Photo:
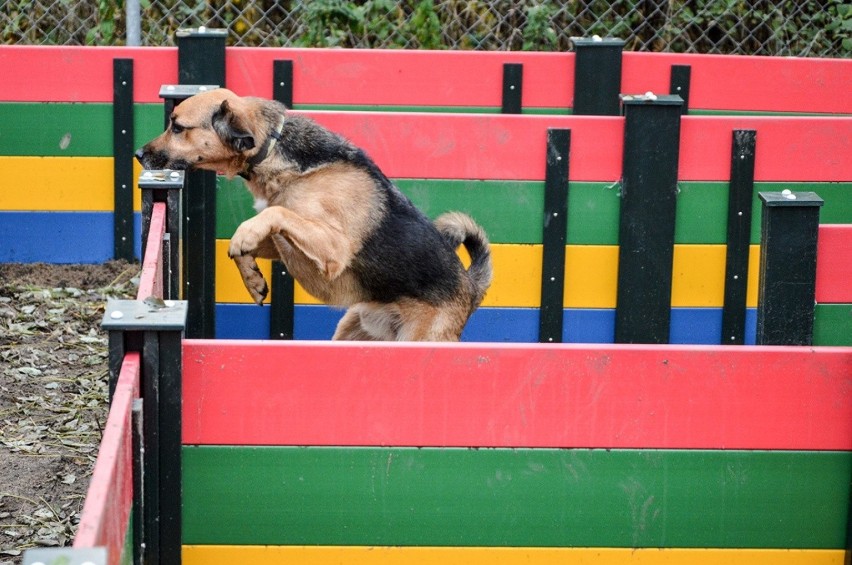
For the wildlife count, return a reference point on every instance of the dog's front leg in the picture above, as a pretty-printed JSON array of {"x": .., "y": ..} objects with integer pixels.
[
  {"x": 250, "y": 272},
  {"x": 326, "y": 246}
]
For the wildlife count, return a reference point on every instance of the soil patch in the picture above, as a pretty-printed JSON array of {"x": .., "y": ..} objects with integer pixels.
[{"x": 53, "y": 395}]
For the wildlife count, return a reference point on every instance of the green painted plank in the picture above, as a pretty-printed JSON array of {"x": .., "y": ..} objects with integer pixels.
[
  {"x": 515, "y": 497},
  {"x": 69, "y": 130},
  {"x": 833, "y": 324},
  {"x": 56, "y": 129},
  {"x": 510, "y": 211}
]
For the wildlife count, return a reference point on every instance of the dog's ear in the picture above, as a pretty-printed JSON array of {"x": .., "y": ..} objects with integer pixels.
[{"x": 229, "y": 127}]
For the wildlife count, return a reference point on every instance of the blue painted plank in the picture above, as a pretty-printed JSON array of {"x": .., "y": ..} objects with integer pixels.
[{"x": 59, "y": 237}]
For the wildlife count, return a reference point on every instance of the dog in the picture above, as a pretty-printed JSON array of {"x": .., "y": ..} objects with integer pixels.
[{"x": 326, "y": 210}]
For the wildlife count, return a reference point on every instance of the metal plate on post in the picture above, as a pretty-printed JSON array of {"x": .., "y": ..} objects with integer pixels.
[
  {"x": 144, "y": 315},
  {"x": 66, "y": 556}
]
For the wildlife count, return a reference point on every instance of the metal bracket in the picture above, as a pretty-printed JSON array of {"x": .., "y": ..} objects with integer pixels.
[{"x": 66, "y": 556}]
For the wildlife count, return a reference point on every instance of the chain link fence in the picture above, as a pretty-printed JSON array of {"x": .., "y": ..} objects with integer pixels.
[{"x": 817, "y": 28}]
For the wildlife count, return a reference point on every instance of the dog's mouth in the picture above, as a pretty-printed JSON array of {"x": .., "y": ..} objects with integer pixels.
[{"x": 160, "y": 160}]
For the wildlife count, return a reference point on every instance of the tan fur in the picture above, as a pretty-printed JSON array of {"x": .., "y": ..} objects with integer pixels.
[{"x": 315, "y": 221}]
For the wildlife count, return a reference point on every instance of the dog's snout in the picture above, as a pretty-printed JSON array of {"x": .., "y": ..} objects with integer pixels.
[{"x": 140, "y": 153}]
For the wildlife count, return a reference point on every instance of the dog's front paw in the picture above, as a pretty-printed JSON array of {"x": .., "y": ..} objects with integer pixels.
[
  {"x": 248, "y": 238},
  {"x": 252, "y": 279}
]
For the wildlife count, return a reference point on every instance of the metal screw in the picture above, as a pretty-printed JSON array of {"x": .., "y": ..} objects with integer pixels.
[
  {"x": 558, "y": 157},
  {"x": 552, "y": 279},
  {"x": 511, "y": 87},
  {"x": 555, "y": 214},
  {"x": 739, "y": 213},
  {"x": 170, "y": 87},
  {"x": 117, "y": 315},
  {"x": 124, "y": 131},
  {"x": 736, "y": 277},
  {"x": 550, "y": 339},
  {"x": 174, "y": 174},
  {"x": 202, "y": 88},
  {"x": 124, "y": 83},
  {"x": 733, "y": 338}
]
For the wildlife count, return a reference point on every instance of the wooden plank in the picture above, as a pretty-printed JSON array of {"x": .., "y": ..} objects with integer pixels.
[
  {"x": 403, "y": 77},
  {"x": 362, "y": 555},
  {"x": 784, "y": 152},
  {"x": 833, "y": 324},
  {"x": 746, "y": 83},
  {"x": 517, "y": 396},
  {"x": 520, "y": 325},
  {"x": 433, "y": 78},
  {"x": 515, "y": 497},
  {"x": 106, "y": 512},
  {"x": 151, "y": 278},
  {"x": 834, "y": 264},
  {"x": 70, "y": 73},
  {"x": 23, "y": 234},
  {"x": 590, "y": 276}
]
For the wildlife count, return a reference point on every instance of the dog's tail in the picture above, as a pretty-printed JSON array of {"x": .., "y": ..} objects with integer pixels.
[{"x": 456, "y": 229}]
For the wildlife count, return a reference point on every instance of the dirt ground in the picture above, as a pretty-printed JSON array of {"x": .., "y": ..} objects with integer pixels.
[{"x": 53, "y": 389}]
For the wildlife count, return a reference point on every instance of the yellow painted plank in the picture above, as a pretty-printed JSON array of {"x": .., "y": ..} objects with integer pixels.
[
  {"x": 591, "y": 276},
  {"x": 61, "y": 184},
  {"x": 591, "y": 273},
  {"x": 329, "y": 555}
]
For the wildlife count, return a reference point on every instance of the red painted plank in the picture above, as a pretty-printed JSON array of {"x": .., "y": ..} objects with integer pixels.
[
  {"x": 411, "y": 145},
  {"x": 788, "y": 149},
  {"x": 747, "y": 83},
  {"x": 472, "y": 146},
  {"x": 151, "y": 279},
  {"x": 834, "y": 264},
  {"x": 403, "y": 78},
  {"x": 432, "y": 78},
  {"x": 517, "y": 395},
  {"x": 81, "y": 74},
  {"x": 106, "y": 511}
]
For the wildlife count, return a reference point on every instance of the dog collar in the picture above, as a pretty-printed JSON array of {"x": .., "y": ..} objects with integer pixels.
[{"x": 256, "y": 159}]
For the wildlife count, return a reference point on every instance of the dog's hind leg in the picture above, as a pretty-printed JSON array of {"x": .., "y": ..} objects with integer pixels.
[{"x": 350, "y": 329}]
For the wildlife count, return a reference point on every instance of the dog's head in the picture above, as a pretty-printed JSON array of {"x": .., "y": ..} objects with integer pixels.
[{"x": 214, "y": 130}]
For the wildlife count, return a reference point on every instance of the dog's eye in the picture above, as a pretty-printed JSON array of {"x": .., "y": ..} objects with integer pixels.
[{"x": 177, "y": 128}]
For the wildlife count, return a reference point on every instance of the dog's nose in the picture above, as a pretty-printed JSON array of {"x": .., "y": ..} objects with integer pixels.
[{"x": 139, "y": 154}]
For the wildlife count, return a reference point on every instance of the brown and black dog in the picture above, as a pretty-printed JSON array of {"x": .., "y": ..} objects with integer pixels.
[{"x": 346, "y": 233}]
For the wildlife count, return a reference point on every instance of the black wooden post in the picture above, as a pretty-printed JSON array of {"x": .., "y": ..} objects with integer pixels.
[
  {"x": 740, "y": 197},
  {"x": 786, "y": 290},
  {"x": 554, "y": 235},
  {"x": 513, "y": 84},
  {"x": 679, "y": 85},
  {"x": 597, "y": 76},
  {"x": 122, "y": 152},
  {"x": 156, "y": 332},
  {"x": 282, "y": 284},
  {"x": 197, "y": 231},
  {"x": 164, "y": 186},
  {"x": 647, "y": 225},
  {"x": 201, "y": 60}
]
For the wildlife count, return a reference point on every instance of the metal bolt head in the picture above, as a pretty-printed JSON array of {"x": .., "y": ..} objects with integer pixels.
[{"x": 117, "y": 315}]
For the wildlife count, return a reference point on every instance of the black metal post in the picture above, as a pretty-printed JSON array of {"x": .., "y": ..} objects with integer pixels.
[
  {"x": 554, "y": 235},
  {"x": 679, "y": 85},
  {"x": 201, "y": 60},
  {"x": 157, "y": 333},
  {"x": 283, "y": 308},
  {"x": 647, "y": 225},
  {"x": 122, "y": 151},
  {"x": 597, "y": 76},
  {"x": 164, "y": 186},
  {"x": 740, "y": 197},
  {"x": 787, "y": 285},
  {"x": 513, "y": 84}
]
